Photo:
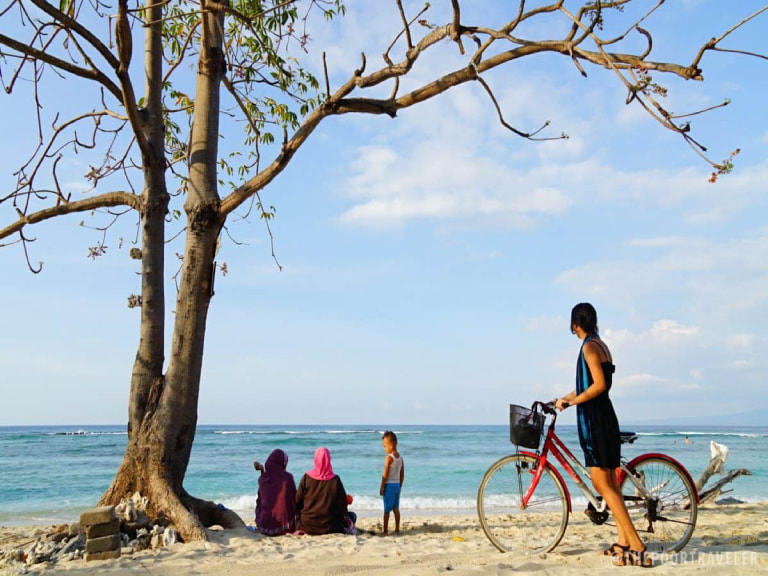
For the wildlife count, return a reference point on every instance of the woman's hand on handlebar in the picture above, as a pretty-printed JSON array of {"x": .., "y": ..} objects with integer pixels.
[{"x": 561, "y": 404}]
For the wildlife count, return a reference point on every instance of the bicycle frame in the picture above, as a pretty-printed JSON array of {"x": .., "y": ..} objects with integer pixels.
[{"x": 555, "y": 446}]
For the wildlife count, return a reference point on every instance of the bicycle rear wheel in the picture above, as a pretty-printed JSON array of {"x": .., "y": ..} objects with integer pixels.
[
  {"x": 665, "y": 522},
  {"x": 539, "y": 526}
]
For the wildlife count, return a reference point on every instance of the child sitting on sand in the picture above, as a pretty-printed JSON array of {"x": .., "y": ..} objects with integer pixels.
[{"x": 391, "y": 480}]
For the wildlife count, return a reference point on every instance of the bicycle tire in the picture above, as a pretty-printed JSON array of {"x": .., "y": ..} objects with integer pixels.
[
  {"x": 667, "y": 522},
  {"x": 538, "y": 527}
]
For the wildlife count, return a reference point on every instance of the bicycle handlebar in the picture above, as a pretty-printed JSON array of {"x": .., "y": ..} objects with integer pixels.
[
  {"x": 549, "y": 407},
  {"x": 546, "y": 407}
]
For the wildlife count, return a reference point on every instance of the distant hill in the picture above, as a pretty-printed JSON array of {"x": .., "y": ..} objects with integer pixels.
[{"x": 750, "y": 418}]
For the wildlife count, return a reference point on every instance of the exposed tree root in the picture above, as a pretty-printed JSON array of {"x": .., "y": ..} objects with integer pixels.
[{"x": 190, "y": 515}]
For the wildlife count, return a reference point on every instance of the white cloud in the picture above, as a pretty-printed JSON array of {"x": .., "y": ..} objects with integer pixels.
[
  {"x": 721, "y": 277},
  {"x": 451, "y": 176},
  {"x": 450, "y": 159},
  {"x": 668, "y": 329},
  {"x": 442, "y": 182},
  {"x": 663, "y": 242},
  {"x": 741, "y": 340},
  {"x": 696, "y": 303},
  {"x": 650, "y": 385}
]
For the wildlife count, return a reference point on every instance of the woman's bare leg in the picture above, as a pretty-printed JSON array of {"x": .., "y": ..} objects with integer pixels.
[{"x": 607, "y": 485}]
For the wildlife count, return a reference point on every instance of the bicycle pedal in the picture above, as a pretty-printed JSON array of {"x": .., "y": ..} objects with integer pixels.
[{"x": 596, "y": 516}]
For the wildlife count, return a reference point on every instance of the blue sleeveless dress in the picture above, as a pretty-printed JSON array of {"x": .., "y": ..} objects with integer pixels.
[{"x": 598, "y": 426}]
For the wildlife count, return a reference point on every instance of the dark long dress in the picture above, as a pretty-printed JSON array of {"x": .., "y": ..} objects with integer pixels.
[
  {"x": 275, "y": 506},
  {"x": 598, "y": 426},
  {"x": 322, "y": 505}
]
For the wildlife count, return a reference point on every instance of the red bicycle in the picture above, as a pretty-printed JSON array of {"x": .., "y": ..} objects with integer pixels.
[{"x": 523, "y": 502}]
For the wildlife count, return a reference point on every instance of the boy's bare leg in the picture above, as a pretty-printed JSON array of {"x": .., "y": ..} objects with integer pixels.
[
  {"x": 397, "y": 520},
  {"x": 386, "y": 524}
]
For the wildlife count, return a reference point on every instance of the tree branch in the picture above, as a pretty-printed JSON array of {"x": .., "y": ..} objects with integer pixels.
[
  {"x": 72, "y": 24},
  {"x": 100, "y": 201},
  {"x": 340, "y": 103},
  {"x": 94, "y": 74}
]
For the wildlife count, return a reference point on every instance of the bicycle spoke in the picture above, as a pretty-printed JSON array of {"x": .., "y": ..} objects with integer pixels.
[
  {"x": 539, "y": 525},
  {"x": 666, "y": 518}
]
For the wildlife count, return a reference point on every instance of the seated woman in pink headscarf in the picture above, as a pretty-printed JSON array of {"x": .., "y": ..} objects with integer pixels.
[
  {"x": 321, "y": 500},
  {"x": 275, "y": 506}
]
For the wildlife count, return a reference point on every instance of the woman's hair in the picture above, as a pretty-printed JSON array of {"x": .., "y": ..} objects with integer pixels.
[{"x": 584, "y": 316}]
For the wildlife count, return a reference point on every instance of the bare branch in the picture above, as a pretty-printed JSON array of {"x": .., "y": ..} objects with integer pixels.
[
  {"x": 124, "y": 41},
  {"x": 405, "y": 29},
  {"x": 715, "y": 107},
  {"x": 182, "y": 52},
  {"x": 527, "y": 135},
  {"x": 634, "y": 26},
  {"x": 744, "y": 52},
  {"x": 327, "y": 82},
  {"x": 265, "y": 217},
  {"x": 24, "y": 241},
  {"x": 406, "y": 25},
  {"x": 713, "y": 42},
  {"x": 456, "y": 26},
  {"x": 100, "y": 201},
  {"x": 740, "y": 24},
  {"x": 93, "y": 74},
  {"x": 73, "y": 25}
]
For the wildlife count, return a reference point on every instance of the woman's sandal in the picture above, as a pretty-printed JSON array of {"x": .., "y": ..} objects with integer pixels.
[
  {"x": 615, "y": 550},
  {"x": 634, "y": 558}
]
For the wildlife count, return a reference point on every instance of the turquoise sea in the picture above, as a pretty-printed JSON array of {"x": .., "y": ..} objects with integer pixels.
[{"x": 48, "y": 474}]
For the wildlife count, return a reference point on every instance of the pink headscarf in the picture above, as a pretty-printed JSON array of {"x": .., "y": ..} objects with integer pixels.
[{"x": 323, "y": 469}]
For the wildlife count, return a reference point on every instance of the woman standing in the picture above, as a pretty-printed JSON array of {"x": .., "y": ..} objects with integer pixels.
[{"x": 599, "y": 434}]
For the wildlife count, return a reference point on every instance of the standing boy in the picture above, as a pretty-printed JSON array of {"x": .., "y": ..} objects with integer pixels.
[{"x": 391, "y": 480}]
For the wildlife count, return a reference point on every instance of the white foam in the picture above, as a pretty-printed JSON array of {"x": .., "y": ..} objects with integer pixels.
[
  {"x": 85, "y": 433},
  {"x": 236, "y": 432},
  {"x": 291, "y": 432},
  {"x": 737, "y": 434}
]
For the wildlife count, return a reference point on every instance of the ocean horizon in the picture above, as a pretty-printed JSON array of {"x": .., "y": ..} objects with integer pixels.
[{"x": 49, "y": 473}]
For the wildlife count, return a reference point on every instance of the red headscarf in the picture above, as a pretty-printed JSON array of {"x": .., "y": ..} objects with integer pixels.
[{"x": 323, "y": 469}]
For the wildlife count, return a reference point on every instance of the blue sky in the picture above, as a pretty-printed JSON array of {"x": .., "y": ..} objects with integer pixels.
[{"x": 431, "y": 261}]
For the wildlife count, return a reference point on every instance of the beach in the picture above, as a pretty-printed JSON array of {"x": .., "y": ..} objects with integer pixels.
[{"x": 731, "y": 539}]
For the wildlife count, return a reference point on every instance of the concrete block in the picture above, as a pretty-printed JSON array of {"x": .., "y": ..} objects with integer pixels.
[
  {"x": 110, "y": 555},
  {"x": 101, "y": 530},
  {"x": 103, "y": 544},
  {"x": 100, "y": 515}
]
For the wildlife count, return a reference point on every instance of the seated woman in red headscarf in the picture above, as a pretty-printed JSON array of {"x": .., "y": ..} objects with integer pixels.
[
  {"x": 275, "y": 506},
  {"x": 321, "y": 500}
]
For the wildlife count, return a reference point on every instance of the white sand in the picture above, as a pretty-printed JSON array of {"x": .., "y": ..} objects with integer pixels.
[{"x": 727, "y": 540}]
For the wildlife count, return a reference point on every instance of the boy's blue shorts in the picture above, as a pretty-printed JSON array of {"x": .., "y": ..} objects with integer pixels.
[{"x": 391, "y": 496}]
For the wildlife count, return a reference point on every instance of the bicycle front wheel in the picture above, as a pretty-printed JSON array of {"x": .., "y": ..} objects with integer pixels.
[
  {"x": 510, "y": 526},
  {"x": 664, "y": 521}
]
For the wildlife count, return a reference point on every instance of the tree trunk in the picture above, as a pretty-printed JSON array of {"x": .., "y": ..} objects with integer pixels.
[
  {"x": 163, "y": 407},
  {"x": 164, "y": 416}
]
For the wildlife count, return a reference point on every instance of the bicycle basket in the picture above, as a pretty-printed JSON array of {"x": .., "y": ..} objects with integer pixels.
[{"x": 525, "y": 426}]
